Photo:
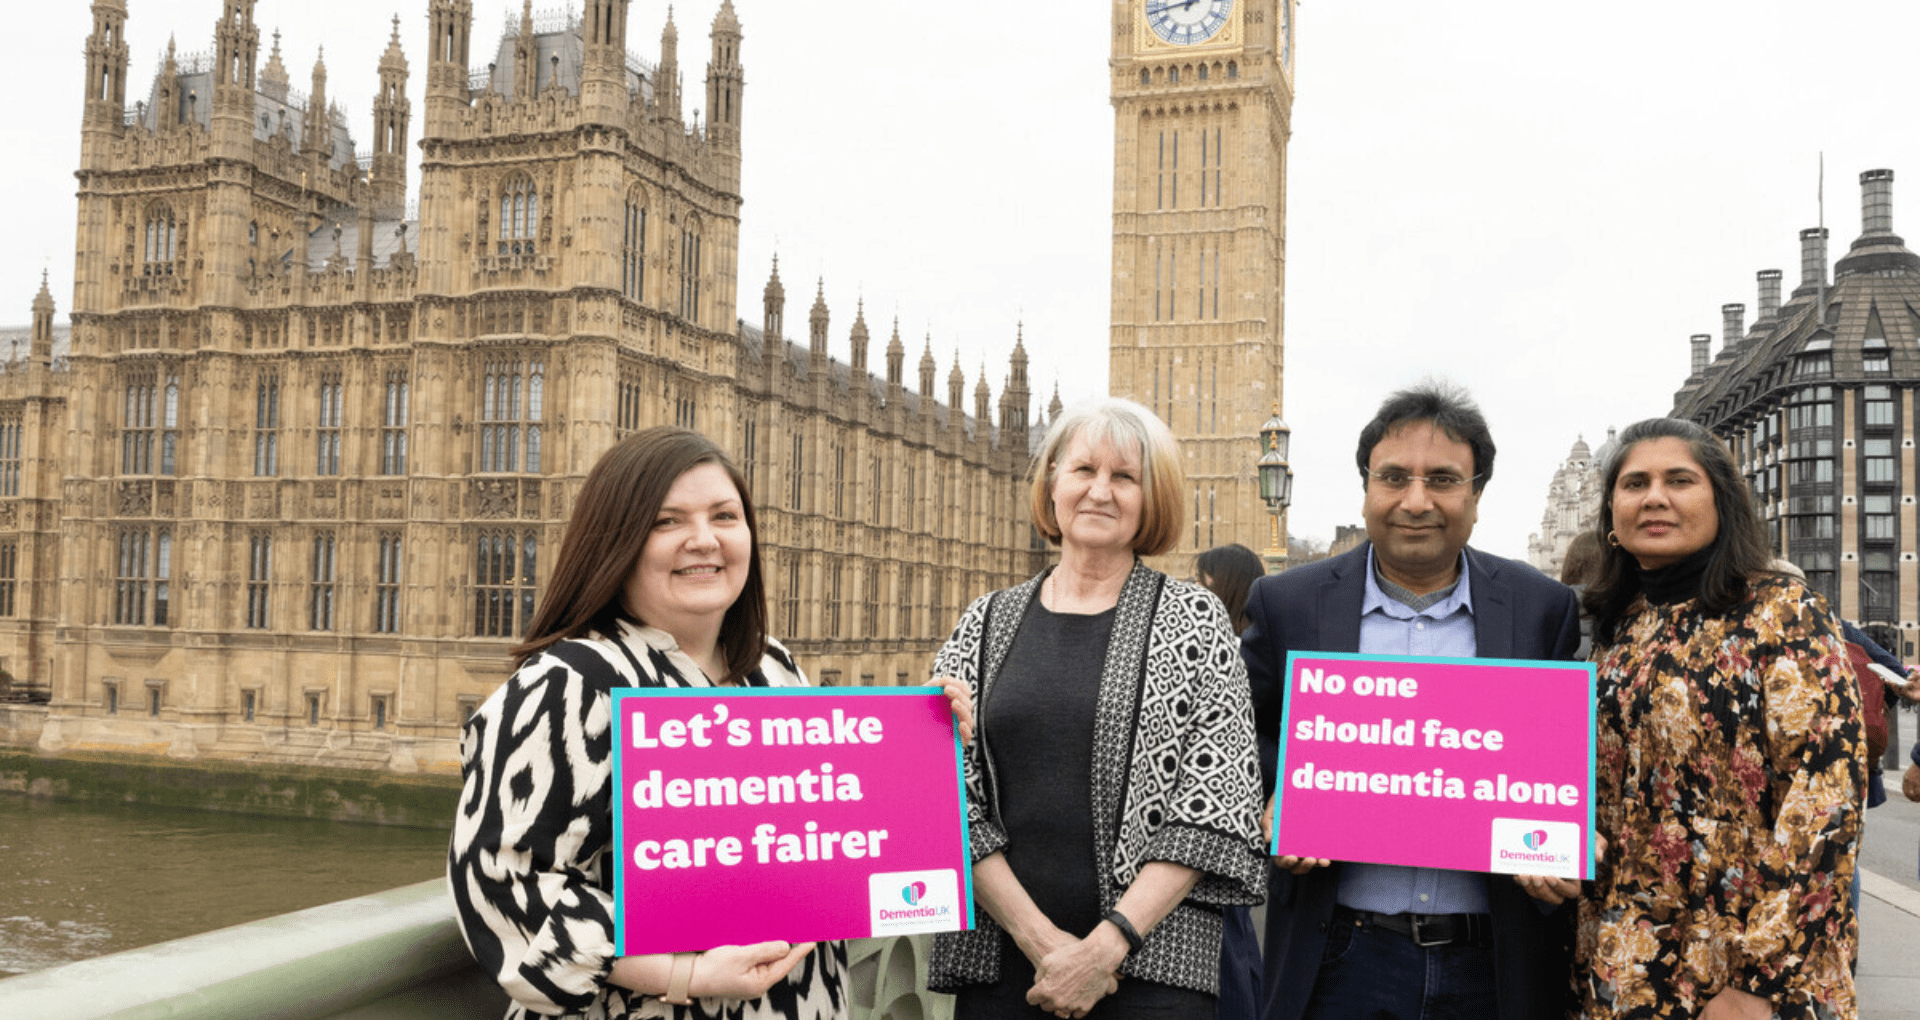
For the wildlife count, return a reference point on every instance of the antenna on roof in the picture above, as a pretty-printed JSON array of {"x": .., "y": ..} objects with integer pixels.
[{"x": 1820, "y": 198}]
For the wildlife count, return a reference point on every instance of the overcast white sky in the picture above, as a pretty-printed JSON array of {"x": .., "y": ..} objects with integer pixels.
[{"x": 1539, "y": 201}]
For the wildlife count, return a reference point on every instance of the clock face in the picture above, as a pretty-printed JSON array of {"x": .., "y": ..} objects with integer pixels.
[{"x": 1185, "y": 22}]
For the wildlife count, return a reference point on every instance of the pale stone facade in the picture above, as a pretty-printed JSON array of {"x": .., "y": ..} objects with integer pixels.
[
  {"x": 1203, "y": 104},
  {"x": 1573, "y": 504},
  {"x": 299, "y": 482}
]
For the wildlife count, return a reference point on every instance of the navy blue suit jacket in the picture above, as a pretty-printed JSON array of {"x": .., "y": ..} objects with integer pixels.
[{"x": 1518, "y": 613}]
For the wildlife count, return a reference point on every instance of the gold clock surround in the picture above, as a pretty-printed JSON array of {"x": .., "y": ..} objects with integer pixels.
[{"x": 1146, "y": 40}]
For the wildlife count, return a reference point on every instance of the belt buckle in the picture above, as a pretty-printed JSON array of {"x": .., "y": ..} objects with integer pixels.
[{"x": 1419, "y": 924}]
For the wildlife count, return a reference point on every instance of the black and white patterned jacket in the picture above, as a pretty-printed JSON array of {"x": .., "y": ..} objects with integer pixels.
[
  {"x": 1175, "y": 777},
  {"x": 531, "y": 867}
]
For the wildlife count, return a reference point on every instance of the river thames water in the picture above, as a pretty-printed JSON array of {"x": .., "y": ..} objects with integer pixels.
[{"x": 82, "y": 880}]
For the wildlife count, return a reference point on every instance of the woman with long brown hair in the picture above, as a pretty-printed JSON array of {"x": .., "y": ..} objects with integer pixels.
[{"x": 658, "y": 584}]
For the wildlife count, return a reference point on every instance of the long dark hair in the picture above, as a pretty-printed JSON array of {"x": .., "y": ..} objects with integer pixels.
[
  {"x": 1737, "y": 554},
  {"x": 611, "y": 520},
  {"x": 1229, "y": 571}
]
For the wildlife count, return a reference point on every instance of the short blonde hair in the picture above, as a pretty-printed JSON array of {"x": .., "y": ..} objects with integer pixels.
[{"x": 1120, "y": 423}]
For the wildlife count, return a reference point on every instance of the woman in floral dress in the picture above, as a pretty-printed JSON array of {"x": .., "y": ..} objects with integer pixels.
[{"x": 1731, "y": 769}]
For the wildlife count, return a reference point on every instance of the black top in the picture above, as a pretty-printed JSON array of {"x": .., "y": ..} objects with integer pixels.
[
  {"x": 1039, "y": 724},
  {"x": 1677, "y": 581}
]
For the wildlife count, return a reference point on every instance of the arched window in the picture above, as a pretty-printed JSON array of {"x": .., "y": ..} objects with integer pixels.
[
  {"x": 690, "y": 262},
  {"x": 266, "y": 427},
  {"x": 170, "y": 428},
  {"x": 143, "y": 576},
  {"x": 511, "y": 397},
  {"x": 633, "y": 247},
  {"x": 162, "y": 240},
  {"x": 503, "y": 582},
  {"x": 1146, "y": 76},
  {"x": 519, "y": 216}
]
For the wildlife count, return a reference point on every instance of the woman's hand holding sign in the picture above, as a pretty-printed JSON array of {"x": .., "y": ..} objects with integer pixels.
[
  {"x": 724, "y": 972},
  {"x": 960, "y": 700}
]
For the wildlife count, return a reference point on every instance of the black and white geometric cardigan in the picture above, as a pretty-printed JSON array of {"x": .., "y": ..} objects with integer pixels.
[
  {"x": 530, "y": 866},
  {"x": 1175, "y": 774}
]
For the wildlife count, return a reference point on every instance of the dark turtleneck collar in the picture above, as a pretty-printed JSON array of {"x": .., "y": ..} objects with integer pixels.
[{"x": 1677, "y": 581}]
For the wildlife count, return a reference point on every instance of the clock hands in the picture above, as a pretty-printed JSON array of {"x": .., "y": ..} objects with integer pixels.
[{"x": 1167, "y": 5}]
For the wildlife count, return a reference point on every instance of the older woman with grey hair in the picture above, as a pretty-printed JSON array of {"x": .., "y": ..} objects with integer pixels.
[{"x": 1113, "y": 791}]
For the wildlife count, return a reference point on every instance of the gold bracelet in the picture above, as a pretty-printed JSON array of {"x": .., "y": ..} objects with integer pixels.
[{"x": 678, "y": 981}]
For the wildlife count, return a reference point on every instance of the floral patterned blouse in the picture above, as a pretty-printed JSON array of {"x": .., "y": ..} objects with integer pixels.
[{"x": 1730, "y": 785}]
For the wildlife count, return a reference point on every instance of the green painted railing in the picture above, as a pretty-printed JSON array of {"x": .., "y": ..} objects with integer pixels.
[{"x": 395, "y": 955}]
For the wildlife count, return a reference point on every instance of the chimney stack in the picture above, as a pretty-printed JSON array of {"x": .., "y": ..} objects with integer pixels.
[
  {"x": 1813, "y": 258},
  {"x": 1876, "y": 202},
  {"x": 1769, "y": 295},
  {"x": 1733, "y": 325},
  {"x": 1701, "y": 343}
]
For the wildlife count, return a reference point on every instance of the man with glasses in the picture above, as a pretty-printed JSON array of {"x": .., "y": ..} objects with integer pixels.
[{"x": 1350, "y": 940}]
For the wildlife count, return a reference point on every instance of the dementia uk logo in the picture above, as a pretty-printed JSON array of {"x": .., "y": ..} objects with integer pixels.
[
  {"x": 1528, "y": 847},
  {"x": 931, "y": 898}
]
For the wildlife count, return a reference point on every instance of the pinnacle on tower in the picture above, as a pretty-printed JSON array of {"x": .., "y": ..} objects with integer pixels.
[
  {"x": 857, "y": 342},
  {"x": 526, "y": 69},
  {"x": 392, "y": 111},
  {"x": 725, "y": 81},
  {"x": 896, "y": 356},
  {"x": 775, "y": 304},
  {"x": 927, "y": 368},
  {"x": 1013, "y": 399},
  {"x": 107, "y": 67},
  {"x": 316, "y": 137},
  {"x": 666, "y": 86},
  {"x": 274, "y": 82},
  {"x": 817, "y": 322},
  {"x": 449, "y": 32},
  {"x": 41, "y": 346},
  {"x": 605, "y": 30}
]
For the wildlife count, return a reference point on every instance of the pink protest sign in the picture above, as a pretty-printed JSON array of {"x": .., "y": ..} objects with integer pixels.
[
  {"x": 1469, "y": 764},
  {"x": 795, "y": 814}
]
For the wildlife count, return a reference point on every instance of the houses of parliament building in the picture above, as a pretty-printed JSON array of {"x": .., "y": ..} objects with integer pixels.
[{"x": 288, "y": 486}]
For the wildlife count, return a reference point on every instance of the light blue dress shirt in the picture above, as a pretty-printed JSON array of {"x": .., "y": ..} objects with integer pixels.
[{"x": 1388, "y": 627}]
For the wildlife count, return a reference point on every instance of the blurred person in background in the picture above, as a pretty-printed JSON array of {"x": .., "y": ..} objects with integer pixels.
[{"x": 1229, "y": 571}]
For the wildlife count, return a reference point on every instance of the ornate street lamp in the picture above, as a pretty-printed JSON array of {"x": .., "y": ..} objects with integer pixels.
[{"x": 1276, "y": 484}]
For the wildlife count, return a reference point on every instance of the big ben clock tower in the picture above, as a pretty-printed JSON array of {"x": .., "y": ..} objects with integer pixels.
[{"x": 1203, "y": 103}]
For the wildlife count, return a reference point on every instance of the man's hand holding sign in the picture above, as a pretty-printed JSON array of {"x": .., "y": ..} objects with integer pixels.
[{"x": 1490, "y": 761}]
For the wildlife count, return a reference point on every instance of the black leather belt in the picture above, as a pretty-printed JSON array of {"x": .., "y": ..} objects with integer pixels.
[{"x": 1424, "y": 929}]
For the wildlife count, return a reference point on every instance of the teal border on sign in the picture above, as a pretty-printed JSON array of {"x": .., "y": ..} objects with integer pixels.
[
  {"x": 621, "y": 694},
  {"x": 1593, "y": 717}
]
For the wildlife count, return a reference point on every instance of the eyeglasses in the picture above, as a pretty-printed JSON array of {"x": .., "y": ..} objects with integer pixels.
[{"x": 1438, "y": 485}]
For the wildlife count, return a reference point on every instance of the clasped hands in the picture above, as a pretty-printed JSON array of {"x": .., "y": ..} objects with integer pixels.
[{"x": 1070, "y": 975}]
